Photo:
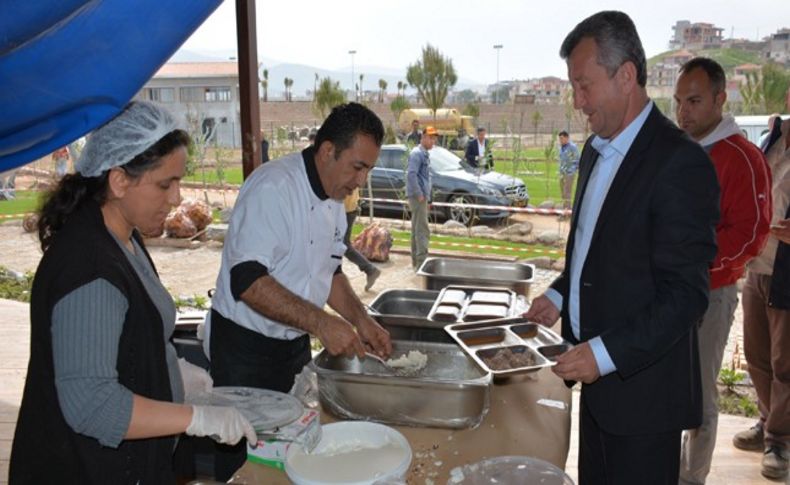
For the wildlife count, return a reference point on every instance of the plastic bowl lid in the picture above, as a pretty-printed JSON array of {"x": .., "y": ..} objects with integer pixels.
[
  {"x": 266, "y": 410},
  {"x": 351, "y": 453},
  {"x": 523, "y": 470}
]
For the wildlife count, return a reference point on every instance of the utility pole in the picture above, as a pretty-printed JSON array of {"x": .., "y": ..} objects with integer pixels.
[
  {"x": 497, "y": 47},
  {"x": 352, "y": 52}
]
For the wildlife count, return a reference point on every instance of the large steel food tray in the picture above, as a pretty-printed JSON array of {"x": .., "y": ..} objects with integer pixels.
[
  {"x": 458, "y": 303},
  {"x": 450, "y": 392},
  {"x": 440, "y": 272},
  {"x": 418, "y": 329},
  {"x": 404, "y": 302},
  {"x": 508, "y": 346}
]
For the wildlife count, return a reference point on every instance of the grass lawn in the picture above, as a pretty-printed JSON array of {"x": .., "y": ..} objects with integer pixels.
[
  {"x": 233, "y": 176},
  {"x": 25, "y": 201},
  {"x": 541, "y": 178},
  {"x": 476, "y": 245}
]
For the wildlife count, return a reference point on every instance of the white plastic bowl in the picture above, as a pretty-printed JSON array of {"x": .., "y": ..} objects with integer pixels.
[{"x": 351, "y": 453}]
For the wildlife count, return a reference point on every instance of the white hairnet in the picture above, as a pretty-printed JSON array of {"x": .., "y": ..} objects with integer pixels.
[{"x": 139, "y": 126}]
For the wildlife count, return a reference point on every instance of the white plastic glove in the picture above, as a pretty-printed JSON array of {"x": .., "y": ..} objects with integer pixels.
[
  {"x": 221, "y": 423},
  {"x": 196, "y": 380}
]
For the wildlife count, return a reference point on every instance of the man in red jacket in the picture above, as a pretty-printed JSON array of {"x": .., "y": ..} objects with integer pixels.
[{"x": 745, "y": 207}]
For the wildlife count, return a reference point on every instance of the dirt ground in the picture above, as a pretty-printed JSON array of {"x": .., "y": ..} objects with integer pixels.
[{"x": 187, "y": 272}]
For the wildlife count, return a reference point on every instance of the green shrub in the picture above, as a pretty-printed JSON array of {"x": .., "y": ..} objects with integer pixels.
[
  {"x": 730, "y": 377},
  {"x": 15, "y": 286}
]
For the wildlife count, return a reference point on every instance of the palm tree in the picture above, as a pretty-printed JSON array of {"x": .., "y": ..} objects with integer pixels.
[
  {"x": 315, "y": 85},
  {"x": 288, "y": 84},
  {"x": 285, "y": 93},
  {"x": 361, "y": 77},
  {"x": 382, "y": 89},
  {"x": 327, "y": 96},
  {"x": 265, "y": 85}
]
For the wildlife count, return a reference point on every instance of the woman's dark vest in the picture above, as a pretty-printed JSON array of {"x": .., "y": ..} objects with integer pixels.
[{"x": 45, "y": 448}]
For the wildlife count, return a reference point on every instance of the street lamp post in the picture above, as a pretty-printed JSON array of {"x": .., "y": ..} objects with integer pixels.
[
  {"x": 497, "y": 47},
  {"x": 352, "y": 52}
]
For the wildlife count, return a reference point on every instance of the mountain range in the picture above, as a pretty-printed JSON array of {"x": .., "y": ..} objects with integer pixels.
[{"x": 304, "y": 76}]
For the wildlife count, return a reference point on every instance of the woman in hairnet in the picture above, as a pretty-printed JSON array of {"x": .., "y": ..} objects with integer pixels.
[{"x": 103, "y": 400}]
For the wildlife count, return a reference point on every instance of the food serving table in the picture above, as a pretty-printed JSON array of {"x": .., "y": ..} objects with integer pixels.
[{"x": 529, "y": 415}]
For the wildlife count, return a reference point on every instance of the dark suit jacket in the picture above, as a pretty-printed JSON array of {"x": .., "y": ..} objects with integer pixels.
[
  {"x": 264, "y": 150},
  {"x": 644, "y": 283},
  {"x": 472, "y": 153}
]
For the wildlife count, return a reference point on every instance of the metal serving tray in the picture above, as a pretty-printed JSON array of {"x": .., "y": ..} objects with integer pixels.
[
  {"x": 440, "y": 272},
  {"x": 406, "y": 302},
  {"x": 450, "y": 392},
  {"x": 523, "y": 339},
  {"x": 460, "y": 303},
  {"x": 414, "y": 329}
]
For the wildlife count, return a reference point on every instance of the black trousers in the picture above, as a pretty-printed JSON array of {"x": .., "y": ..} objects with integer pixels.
[
  {"x": 607, "y": 459},
  {"x": 242, "y": 357}
]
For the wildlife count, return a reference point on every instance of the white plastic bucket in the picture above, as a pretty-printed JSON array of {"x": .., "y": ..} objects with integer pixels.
[{"x": 351, "y": 453}]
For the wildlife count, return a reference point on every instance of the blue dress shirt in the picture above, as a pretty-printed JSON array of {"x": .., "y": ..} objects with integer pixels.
[{"x": 610, "y": 156}]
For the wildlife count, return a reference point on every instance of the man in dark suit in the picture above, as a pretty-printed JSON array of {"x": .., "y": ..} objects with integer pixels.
[
  {"x": 264, "y": 147},
  {"x": 478, "y": 151},
  {"x": 635, "y": 282}
]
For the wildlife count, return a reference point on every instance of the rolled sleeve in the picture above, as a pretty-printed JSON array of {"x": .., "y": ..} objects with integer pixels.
[{"x": 243, "y": 275}]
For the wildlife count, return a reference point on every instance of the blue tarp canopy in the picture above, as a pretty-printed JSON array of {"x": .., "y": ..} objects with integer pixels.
[{"x": 68, "y": 66}]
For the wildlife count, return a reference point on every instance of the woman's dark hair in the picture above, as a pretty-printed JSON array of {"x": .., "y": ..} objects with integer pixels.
[{"x": 74, "y": 190}]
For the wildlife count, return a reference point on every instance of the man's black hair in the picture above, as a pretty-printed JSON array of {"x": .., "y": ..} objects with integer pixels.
[
  {"x": 345, "y": 122},
  {"x": 615, "y": 35},
  {"x": 712, "y": 68}
]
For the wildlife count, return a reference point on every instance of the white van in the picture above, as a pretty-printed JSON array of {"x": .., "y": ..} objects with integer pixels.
[{"x": 754, "y": 127}]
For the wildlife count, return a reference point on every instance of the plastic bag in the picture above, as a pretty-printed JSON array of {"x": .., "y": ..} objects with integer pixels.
[{"x": 374, "y": 242}]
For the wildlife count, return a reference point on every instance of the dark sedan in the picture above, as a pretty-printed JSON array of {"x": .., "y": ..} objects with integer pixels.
[{"x": 453, "y": 181}]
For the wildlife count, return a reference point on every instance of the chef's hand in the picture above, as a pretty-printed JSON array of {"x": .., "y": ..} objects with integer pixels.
[
  {"x": 578, "y": 364},
  {"x": 224, "y": 424},
  {"x": 375, "y": 336},
  {"x": 196, "y": 380},
  {"x": 542, "y": 311},
  {"x": 781, "y": 230},
  {"x": 339, "y": 337}
]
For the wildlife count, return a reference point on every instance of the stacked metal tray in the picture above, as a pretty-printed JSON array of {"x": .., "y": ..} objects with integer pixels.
[
  {"x": 457, "y": 303},
  {"x": 508, "y": 346},
  {"x": 440, "y": 272}
]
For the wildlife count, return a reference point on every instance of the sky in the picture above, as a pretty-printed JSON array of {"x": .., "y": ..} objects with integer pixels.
[{"x": 391, "y": 34}]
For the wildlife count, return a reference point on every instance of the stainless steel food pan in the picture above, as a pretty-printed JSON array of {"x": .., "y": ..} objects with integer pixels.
[
  {"x": 450, "y": 392},
  {"x": 440, "y": 272},
  {"x": 415, "y": 329},
  {"x": 406, "y": 302}
]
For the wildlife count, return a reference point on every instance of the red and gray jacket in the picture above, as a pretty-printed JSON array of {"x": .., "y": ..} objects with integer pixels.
[{"x": 745, "y": 205}]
